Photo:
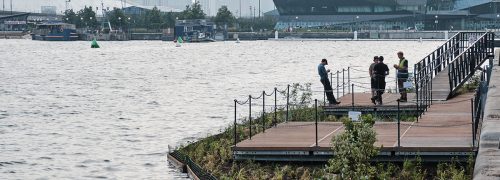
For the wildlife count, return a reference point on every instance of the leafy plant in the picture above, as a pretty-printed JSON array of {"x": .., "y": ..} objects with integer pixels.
[{"x": 353, "y": 149}]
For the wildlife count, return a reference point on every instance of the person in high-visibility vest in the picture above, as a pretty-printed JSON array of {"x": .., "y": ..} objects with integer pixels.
[{"x": 402, "y": 75}]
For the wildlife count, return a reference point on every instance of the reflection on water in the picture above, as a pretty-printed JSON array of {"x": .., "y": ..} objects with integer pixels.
[{"x": 68, "y": 111}]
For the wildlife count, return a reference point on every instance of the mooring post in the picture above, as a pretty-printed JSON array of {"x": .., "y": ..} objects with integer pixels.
[
  {"x": 250, "y": 114},
  {"x": 263, "y": 111},
  {"x": 287, "y": 101},
  {"x": 399, "y": 130},
  {"x": 316, "y": 119},
  {"x": 235, "y": 140},
  {"x": 275, "y": 107}
]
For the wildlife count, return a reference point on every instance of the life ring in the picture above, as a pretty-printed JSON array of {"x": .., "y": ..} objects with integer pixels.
[{"x": 61, "y": 29}]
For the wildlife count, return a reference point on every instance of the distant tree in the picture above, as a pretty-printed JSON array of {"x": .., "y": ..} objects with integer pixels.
[
  {"x": 87, "y": 17},
  {"x": 153, "y": 18},
  {"x": 193, "y": 12},
  {"x": 224, "y": 16},
  {"x": 169, "y": 20},
  {"x": 117, "y": 18},
  {"x": 70, "y": 17}
]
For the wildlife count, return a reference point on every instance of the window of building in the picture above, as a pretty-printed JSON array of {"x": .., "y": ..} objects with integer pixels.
[
  {"x": 382, "y": 9},
  {"x": 354, "y": 9}
]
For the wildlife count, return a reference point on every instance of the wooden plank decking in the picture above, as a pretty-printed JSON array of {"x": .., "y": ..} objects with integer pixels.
[{"x": 445, "y": 129}]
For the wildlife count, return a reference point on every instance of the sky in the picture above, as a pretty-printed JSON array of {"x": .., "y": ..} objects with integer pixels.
[{"x": 209, "y": 6}]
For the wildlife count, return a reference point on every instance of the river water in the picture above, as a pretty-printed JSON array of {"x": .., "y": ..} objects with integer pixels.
[{"x": 71, "y": 112}]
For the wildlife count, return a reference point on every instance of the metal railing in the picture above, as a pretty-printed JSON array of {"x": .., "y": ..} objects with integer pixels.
[
  {"x": 468, "y": 61},
  {"x": 461, "y": 48},
  {"x": 479, "y": 101}
]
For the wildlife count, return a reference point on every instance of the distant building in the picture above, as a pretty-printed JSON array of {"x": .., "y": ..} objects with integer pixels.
[
  {"x": 16, "y": 22},
  {"x": 389, "y": 14},
  {"x": 49, "y": 10},
  {"x": 137, "y": 10}
]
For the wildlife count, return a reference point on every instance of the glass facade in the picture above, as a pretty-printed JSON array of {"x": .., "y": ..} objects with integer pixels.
[{"x": 389, "y": 14}]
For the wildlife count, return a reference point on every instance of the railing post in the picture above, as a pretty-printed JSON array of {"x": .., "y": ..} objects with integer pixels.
[
  {"x": 337, "y": 84},
  {"x": 472, "y": 116},
  {"x": 275, "y": 107},
  {"x": 324, "y": 97},
  {"x": 343, "y": 81},
  {"x": 250, "y": 114},
  {"x": 399, "y": 130},
  {"x": 316, "y": 119},
  {"x": 349, "y": 77},
  {"x": 235, "y": 126},
  {"x": 263, "y": 111},
  {"x": 287, "y": 101},
  {"x": 415, "y": 71},
  {"x": 352, "y": 96}
]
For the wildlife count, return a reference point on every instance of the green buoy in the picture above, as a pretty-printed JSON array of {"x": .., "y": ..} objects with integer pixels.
[{"x": 94, "y": 44}]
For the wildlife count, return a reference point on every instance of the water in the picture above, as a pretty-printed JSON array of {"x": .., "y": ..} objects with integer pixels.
[{"x": 68, "y": 111}]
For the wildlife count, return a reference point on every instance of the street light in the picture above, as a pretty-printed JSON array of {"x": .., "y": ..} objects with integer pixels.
[
  {"x": 357, "y": 18},
  {"x": 496, "y": 21},
  {"x": 120, "y": 21},
  {"x": 436, "y": 21}
]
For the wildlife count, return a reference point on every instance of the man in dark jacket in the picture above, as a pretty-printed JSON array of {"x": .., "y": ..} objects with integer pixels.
[
  {"x": 323, "y": 74},
  {"x": 380, "y": 70}
]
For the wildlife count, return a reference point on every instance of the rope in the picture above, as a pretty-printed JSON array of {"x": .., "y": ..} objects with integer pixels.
[
  {"x": 257, "y": 97},
  {"x": 268, "y": 94},
  {"x": 239, "y": 102}
]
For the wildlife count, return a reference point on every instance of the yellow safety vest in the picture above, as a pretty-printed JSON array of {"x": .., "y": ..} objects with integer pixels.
[{"x": 402, "y": 62}]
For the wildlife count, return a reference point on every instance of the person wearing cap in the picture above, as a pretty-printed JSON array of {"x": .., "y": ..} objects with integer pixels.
[
  {"x": 380, "y": 71},
  {"x": 372, "y": 78},
  {"x": 402, "y": 76},
  {"x": 323, "y": 74}
]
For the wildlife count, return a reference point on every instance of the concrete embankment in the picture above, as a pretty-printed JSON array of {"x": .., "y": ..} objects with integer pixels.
[
  {"x": 342, "y": 35},
  {"x": 488, "y": 159}
]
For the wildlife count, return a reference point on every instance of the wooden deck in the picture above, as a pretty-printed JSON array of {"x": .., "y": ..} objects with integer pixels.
[
  {"x": 444, "y": 131},
  {"x": 441, "y": 86},
  {"x": 362, "y": 103}
]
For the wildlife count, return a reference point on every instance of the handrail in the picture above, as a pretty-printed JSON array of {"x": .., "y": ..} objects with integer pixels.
[
  {"x": 464, "y": 65},
  {"x": 446, "y": 56}
]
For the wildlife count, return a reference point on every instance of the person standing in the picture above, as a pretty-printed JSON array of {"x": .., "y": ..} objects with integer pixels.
[
  {"x": 402, "y": 75},
  {"x": 372, "y": 78},
  {"x": 380, "y": 71},
  {"x": 323, "y": 74}
]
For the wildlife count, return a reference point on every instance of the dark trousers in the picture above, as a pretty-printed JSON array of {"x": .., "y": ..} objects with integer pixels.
[
  {"x": 401, "y": 88},
  {"x": 328, "y": 90},
  {"x": 380, "y": 88}
]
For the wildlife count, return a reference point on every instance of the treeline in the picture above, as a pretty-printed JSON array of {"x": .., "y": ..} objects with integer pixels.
[{"x": 155, "y": 19}]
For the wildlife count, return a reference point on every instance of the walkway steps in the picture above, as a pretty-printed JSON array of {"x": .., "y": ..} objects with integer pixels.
[{"x": 441, "y": 86}]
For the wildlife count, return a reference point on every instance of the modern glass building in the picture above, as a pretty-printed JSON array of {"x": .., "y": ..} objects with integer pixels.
[{"x": 389, "y": 14}]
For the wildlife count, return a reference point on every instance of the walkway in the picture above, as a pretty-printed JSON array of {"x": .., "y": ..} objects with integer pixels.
[{"x": 444, "y": 131}]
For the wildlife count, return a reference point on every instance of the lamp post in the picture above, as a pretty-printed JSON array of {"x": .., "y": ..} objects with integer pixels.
[
  {"x": 357, "y": 18},
  {"x": 120, "y": 23},
  {"x": 496, "y": 21},
  {"x": 436, "y": 21},
  {"x": 91, "y": 21}
]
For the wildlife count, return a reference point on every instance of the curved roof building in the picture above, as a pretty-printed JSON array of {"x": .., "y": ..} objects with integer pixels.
[{"x": 389, "y": 14}]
